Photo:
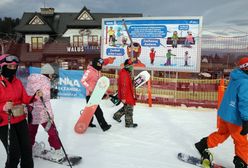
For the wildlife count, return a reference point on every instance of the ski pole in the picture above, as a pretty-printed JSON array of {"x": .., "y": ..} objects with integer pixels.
[
  {"x": 50, "y": 119},
  {"x": 8, "y": 136}
]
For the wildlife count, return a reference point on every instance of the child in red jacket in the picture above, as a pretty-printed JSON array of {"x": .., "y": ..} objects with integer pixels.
[{"x": 126, "y": 95}]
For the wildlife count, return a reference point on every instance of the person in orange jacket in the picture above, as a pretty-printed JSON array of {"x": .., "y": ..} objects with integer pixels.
[
  {"x": 126, "y": 95},
  {"x": 233, "y": 114}
]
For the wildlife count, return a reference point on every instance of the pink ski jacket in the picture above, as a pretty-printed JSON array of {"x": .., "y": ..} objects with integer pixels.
[
  {"x": 90, "y": 78},
  {"x": 40, "y": 82}
]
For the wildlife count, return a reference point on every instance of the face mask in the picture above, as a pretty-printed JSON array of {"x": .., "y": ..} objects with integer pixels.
[
  {"x": 98, "y": 68},
  {"x": 129, "y": 68},
  {"x": 8, "y": 73}
]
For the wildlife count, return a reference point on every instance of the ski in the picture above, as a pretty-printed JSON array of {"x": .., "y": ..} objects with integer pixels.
[
  {"x": 195, "y": 160},
  {"x": 45, "y": 155}
]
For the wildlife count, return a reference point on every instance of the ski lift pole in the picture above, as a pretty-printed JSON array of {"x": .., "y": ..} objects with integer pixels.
[
  {"x": 131, "y": 44},
  {"x": 50, "y": 118}
]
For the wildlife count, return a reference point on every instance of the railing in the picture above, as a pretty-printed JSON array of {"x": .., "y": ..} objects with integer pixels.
[{"x": 177, "y": 92}]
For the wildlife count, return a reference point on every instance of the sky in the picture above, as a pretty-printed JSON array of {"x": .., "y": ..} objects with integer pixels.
[
  {"x": 162, "y": 132},
  {"x": 221, "y": 12}
]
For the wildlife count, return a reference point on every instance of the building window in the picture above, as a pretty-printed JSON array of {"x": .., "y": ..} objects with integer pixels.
[
  {"x": 36, "y": 43},
  {"x": 93, "y": 40},
  {"x": 77, "y": 41}
]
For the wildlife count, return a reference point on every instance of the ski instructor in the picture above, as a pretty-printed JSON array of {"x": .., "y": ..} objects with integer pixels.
[
  {"x": 13, "y": 124},
  {"x": 233, "y": 114}
]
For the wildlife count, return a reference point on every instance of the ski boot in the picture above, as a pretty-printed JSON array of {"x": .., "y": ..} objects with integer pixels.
[
  {"x": 134, "y": 125},
  {"x": 239, "y": 163},
  {"x": 207, "y": 159},
  {"x": 38, "y": 148}
]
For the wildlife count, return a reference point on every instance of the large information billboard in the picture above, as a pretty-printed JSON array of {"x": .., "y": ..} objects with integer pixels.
[{"x": 159, "y": 43}]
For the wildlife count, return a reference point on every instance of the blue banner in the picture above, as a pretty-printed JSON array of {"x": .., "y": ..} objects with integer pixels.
[{"x": 69, "y": 84}]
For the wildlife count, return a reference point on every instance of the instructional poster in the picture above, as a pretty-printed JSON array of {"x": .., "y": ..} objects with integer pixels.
[{"x": 165, "y": 44}]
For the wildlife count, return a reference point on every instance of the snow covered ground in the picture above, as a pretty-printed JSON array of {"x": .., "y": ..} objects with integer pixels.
[{"x": 162, "y": 132}]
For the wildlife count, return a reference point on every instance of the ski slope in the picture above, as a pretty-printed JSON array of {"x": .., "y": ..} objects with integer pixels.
[{"x": 162, "y": 132}]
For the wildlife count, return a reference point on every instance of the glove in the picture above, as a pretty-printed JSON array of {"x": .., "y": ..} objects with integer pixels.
[
  {"x": 8, "y": 106},
  {"x": 244, "y": 130}
]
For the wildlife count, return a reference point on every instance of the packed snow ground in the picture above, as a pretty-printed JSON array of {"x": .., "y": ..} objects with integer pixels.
[{"x": 163, "y": 131}]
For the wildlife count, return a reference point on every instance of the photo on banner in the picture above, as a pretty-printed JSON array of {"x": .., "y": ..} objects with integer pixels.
[{"x": 159, "y": 43}]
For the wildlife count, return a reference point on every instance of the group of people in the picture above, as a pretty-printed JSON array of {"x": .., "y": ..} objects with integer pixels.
[
  {"x": 18, "y": 135},
  {"x": 125, "y": 92}
]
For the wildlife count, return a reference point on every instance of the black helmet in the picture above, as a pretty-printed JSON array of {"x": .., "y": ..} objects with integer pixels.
[{"x": 97, "y": 63}]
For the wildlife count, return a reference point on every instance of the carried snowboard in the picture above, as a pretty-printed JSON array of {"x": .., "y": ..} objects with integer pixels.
[
  {"x": 90, "y": 108},
  {"x": 194, "y": 160},
  {"x": 139, "y": 80}
]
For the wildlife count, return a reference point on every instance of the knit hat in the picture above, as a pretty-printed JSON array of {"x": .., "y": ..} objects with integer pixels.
[
  {"x": 47, "y": 69},
  {"x": 243, "y": 63}
]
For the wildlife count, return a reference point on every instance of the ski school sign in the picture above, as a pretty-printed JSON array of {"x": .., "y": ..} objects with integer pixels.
[
  {"x": 69, "y": 84},
  {"x": 159, "y": 43}
]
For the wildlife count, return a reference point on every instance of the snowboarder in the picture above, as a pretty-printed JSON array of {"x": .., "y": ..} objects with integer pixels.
[
  {"x": 126, "y": 95},
  {"x": 39, "y": 117},
  {"x": 89, "y": 80},
  {"x": 13, "y": 127},
  {"x": 168, "y": 57},
  {"x": 233, "y": 119}
]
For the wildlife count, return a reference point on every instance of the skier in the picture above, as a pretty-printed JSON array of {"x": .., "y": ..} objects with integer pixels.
[
  {"x": 89, "y": 80},
  {"x": 233, "y": 119},
  {"x": 126, "y": 95},
  {"x": 39, "y": 116},
  {"x": 14, "y": 138}
]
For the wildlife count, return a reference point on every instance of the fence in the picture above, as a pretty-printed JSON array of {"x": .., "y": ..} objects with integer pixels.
[{"x": 177, "y": 92}]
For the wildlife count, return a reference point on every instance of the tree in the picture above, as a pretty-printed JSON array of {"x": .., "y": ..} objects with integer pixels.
[{"x": 7, "y": 25}]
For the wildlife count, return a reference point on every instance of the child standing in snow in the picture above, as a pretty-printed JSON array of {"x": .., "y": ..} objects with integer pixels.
[
  {"x": 39, "y": 115},
  {"x": 126, "y": 95}
]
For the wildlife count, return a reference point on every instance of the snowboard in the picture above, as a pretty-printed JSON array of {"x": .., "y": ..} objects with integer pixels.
[
  {"x": 90, "y": 108},
  {"x": 194, "y": 160},
  {"x": 74, "y": 160},
  {"x": 139, "y": 80}
]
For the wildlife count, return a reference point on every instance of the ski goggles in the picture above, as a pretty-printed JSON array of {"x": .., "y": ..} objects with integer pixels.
[
  {"x": 9, "y": 59},
  {"x": 244, "y": 66},
  {"x": 100, "y": 61}
]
